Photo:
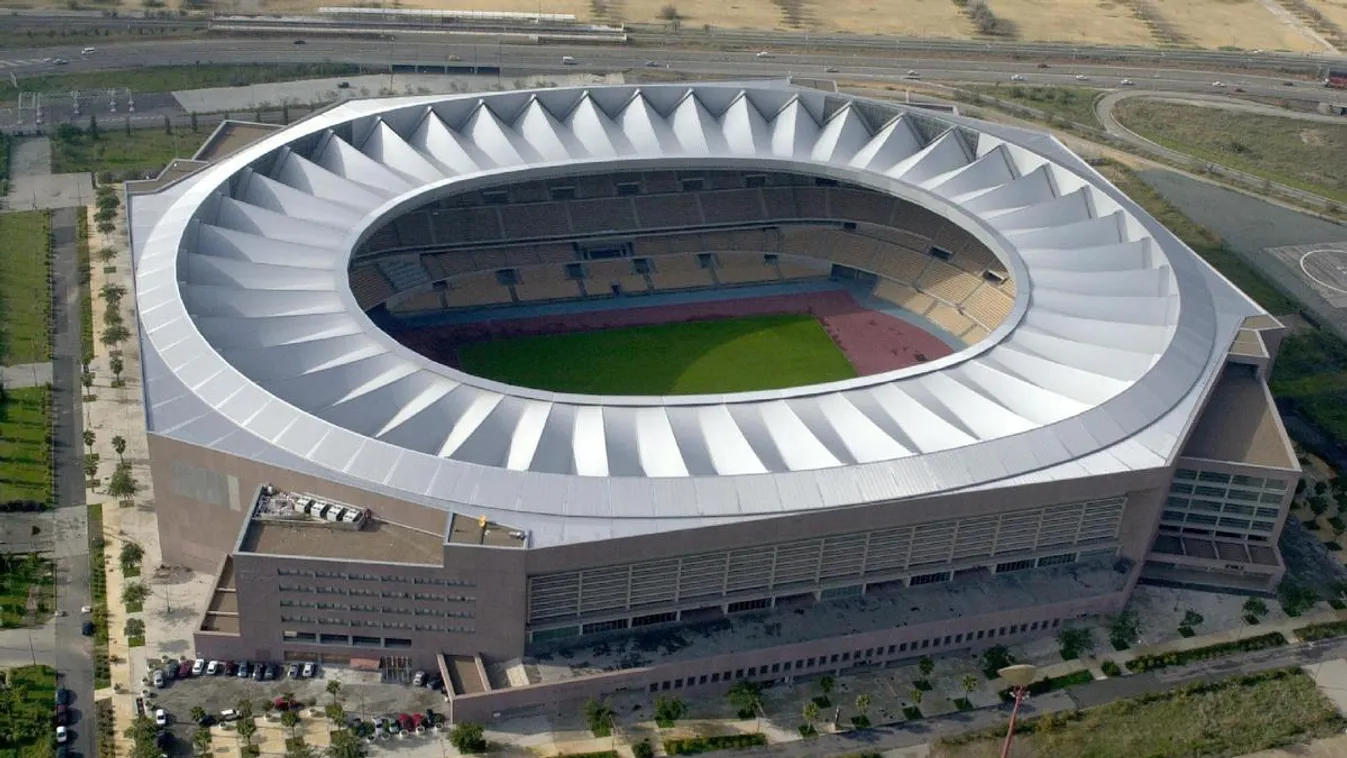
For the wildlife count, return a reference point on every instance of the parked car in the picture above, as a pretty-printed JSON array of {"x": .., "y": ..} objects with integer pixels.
[
  {"x": 62, "y": 696},
  {"x": 405, "y": 722},
  {"x": 273, "y": 671},
  {"x": 158, "y": 678},
  {"x": 1127, "y": 82},
  {"x": 160, "y": 717},
  {"x": 231, "y": 668},
  {"x": 164, "y": 740},
  {"x": 86, "y": 609},
  {"x": 199, "y": 667},
  {"x": 434, "y": 683},
  {"x": 62, "y": 751},
  {"x": 309, "y": 671},
  {"x": 207, "y": 720},
  {"x": 293, "y": 671},
  {"x": 229, "y": 714},
  {"x": 1082, "y": 78},
  {"x": 140, "y": 707},
  {"x": 170, "y": 672},
  {"x": 87, "y": 629},
  {"x": 213, "y": 668},
  {"x": 419, "y": 720},
  {"x": 62, "y": 715},
  {"x": 419, "y": 679},
  {"x": 184, "y": 669},
  {"x": 245, "y": 670},
  {"x": 61, "y": 735}
]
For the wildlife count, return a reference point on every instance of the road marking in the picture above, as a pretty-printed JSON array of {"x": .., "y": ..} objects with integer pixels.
[{"x": 1339, "y": 267}]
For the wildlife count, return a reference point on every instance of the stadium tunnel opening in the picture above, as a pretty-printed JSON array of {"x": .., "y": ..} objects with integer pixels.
[{"x": 713, "y": 280}]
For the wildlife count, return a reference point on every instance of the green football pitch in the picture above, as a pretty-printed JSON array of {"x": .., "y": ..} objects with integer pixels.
[{"x": 698, "y": 357}]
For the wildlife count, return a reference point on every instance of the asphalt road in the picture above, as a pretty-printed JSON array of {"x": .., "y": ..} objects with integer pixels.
[
  {"x": 519, "y": 59},
  {"x": 73, "y": 652}
]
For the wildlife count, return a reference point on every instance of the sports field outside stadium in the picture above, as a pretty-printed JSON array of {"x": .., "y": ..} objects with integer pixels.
[{"x": 689, "y": 358}]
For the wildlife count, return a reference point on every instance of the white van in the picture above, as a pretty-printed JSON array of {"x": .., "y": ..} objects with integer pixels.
[
  {"x": 88, "y": 51},
  {"x": 567, "y": 60}
]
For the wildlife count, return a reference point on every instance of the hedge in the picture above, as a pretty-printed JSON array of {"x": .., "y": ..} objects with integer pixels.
[
  {"x": 1182, "y": 657},
  {"x": 1324, "y": 631},
  {"x": 1043, "y": 686},
  {"x": 695, "y": 745}
]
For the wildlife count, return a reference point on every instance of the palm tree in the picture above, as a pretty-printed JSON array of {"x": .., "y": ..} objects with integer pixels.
[
  {"x": 246, "y": 730},
  {"x": 119, "y": 445},
  {"x": 969, "y": 683},
  {"x": 290, "y": 720},
  {"x": 115, "y": 363},
  {"x": 810, "y": 714},
  {"x": 245, "y": 708},
  {"x": 863, "y": 706},
  {"x": 826, "y": 684},
  {"x": 917, "y": 695},
  {"x": 201, "y": 739},
  {"x": 198, "y": 713},
  {"x": 89, "y": 438},
  {"x": 334, "y": 689}
]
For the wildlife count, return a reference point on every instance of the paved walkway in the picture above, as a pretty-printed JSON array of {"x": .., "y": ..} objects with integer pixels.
[{"x": 25, "y": 375}]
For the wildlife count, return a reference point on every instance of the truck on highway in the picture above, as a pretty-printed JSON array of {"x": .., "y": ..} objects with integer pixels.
[{"x": 1337, "y": 78}]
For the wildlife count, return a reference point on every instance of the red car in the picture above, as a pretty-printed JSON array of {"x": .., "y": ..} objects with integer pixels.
[
  {"x": 62, "y": 715},
  {"x": 185, "y": 670},
  {"x": 419, "y": 720},
  {"x": 405, "y": 722},
  {"x": 281, "y": 704}
]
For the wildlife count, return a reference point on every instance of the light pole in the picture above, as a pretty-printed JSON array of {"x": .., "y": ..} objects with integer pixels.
[{"x": 1019, "y": 677}]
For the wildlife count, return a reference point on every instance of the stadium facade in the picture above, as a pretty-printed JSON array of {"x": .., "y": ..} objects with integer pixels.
[{"x": 1104, "y": 419}]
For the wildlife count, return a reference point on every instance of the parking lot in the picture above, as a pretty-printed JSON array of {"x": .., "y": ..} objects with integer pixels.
[{"x": 362, "y": 695}]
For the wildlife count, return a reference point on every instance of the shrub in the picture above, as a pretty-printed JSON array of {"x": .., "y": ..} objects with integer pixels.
[
  {"x": 1220, "y": 650},
  {"x": 1324, "y": 631},
  {"x": 468, "y": 738},
  {"x": 994, "y": 659},
  {"x": 695, "y": 745},
  {"x": 1296, "y": 597},
  {"x": 1075, "y": 642},
  {"x": 912, "y": 713},
  {"x": 1043, "y": 686},
  {"x": 1110, "y": 668},
  {"x": 643, "y": 749}
]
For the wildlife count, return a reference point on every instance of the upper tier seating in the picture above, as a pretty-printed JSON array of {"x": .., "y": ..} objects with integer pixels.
[
  {"x": 545, "y": 283},
  {"x": 370, "y": 287},
  {"x": 481, "y": 288},
  {"x": 743, "y": 268},
  {"x": 947, "y": 283},
  {"x": 988, "y": 306}
]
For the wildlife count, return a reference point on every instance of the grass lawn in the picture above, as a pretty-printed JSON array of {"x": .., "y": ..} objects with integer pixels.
[
  {"x": 170, "y": 78},
  {"x": 19, "y": 576},
  {"x": 1202, "y": 240},
  {"x": 25, "y": 455},
  {"x": 1309, "y": 156},
  {"x": 117, "y": 151},
  {"x": 729, "y": 355},
  {"x": 31, "y": 716},
  {"x": 1071, "y": 103},
  {"x": 25, "y": 307},
  {"x": 1229, "y": 718}
]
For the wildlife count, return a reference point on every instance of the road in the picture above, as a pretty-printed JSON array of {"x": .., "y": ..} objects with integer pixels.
[
  {"x": 517, "y": 59},
  {"x": 73, "y": 652}
]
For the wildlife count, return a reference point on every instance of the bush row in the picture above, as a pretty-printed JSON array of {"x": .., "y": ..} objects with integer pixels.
[
  {"x": 1043, "y": 686},
  {"x": 1181, "y": 657},
  {"x": 1322, "y": 631},
  {"x": 695, "y": 745}
]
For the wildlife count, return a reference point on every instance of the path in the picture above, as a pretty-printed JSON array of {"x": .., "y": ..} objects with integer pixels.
[
  {"x": 32, "y": 185},
  {"x": 25, "y": 375},
  {"x": 73, "y": 651}
]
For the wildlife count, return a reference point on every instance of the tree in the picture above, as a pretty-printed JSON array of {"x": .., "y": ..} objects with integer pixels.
[
  {"x": 335, "y": 713},
  {"x": 599, "y": 717},
  {"x": 134, "y": 627},
  {"x": 1255, "y": 607},
  {"x": 114, "y": 334},
  {"x": 1320, "y": 487},
  {"x": 90, "y": 465},
  {"x": 345, "y": 744},
  {"x": 917, "y": 696},
  {"x": 115, "y": 363},
  {"x": 745, "y": 696},
  {"x": 195, "y": 126},
  {"x": 123, "y": 485},
  {"x": 142, "y": 734},
  {"x": 969, "y": 683},
  {"x": 89, "y": 438},
  {"x": 93, "y": 127},
  {"x": 246, "y": 729},
  {"x": 106, "y": 227},
  {"x": 863, "y": 704},
  {"x": 1124, "y": 630},
  {"x": 1075, "y": 642},
  {"x": 127, "y": 123},
  {"x": 1191, "y": 619},
  {"x": 334, "y": 689},
  {"x": 296, "y": 747},
  {"x": 467, "y": 737},
  {"x": 643, "y": 749},
  {"x": 131, "y": 554},
  {"x": 810, "y": 714},
  {"x": 668, "y": 710},
  {"x": 826, "y": 684},
  {"x": 106, "y": 254},
  {"x": 201, "y": 738},
  {"x": 119, "y": 445},
  {"x": 134, "y": 593},
  {"x": 87, "y": 379},
  {"x": 245, "y": 708},
  {"x": 926, "y": 666},
  {"x": 112, "y": 293},
  {"x": 290, "y": 720},
  {"x": 198, "y": 713}
]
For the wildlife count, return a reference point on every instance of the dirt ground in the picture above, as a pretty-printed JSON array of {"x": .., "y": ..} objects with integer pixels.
[
  {"x": 1083, "y": 21},
  {"x": 1335, "y": 10},
  {"x": 1237, "y": 23}
]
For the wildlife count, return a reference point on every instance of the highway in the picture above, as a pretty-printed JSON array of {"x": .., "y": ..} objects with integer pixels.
[{"x": 514, "y": 58}]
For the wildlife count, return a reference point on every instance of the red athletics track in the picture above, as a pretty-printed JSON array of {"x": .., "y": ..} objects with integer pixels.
[{"x": 874, "y": 342}]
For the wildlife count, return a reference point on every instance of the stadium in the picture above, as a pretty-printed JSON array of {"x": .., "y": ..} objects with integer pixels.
[{"x": 658, "y": 387}]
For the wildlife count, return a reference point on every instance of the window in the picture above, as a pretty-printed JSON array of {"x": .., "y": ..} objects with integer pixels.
[
  {"x": 748, "y": 605},
  {"x": 940, "y": 254},
  {"x": 1002, "y": 568},
  {"x": 820, "y": 181},
  {"x": 920, "y": 579},
  {"x": 1207, "y": 491},
  {"x": 754, "y": 181},
  {"x": 604, "y": 626},
  {"x": 627, "y": 189},
  {"x": 289, "y": 636},
  {"x": 1212, "y": 476},
  {"x": 1057, "y": 560},
  {"x": 334, "y": 639},
  {"x": 397, "y": 642},
  {"x": 496, "y": 197},
  {"x": 693, "y": 184},
  {"x": 360, "y": 641},
  {"x": 1180, "y": 488},
  {"x": 715, "y": 677},
  {"x": 1269, "y": 512},
  {"x": 995, "y": 277},
  {"x": 575, "y": 271},
  {"x": 562, "y": 193}
]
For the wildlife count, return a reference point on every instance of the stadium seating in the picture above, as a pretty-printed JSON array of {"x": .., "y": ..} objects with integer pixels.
[
  {"x": 633, "y": 283},
  {"x": 370, "y": 287},
  {"x": 413, "y": 230},
  {"x": 805, "y": 241},
  {"x": 555, "y": 253},
  {"x": 610, "y": 214},
  {"x": 974, "y": 335},
  {"x": 988, "y": 306},
  {"x": 903, "y": 296},
  {"x": 452, "y": 264},
  {"x": 899, "y": 238},
  {"x": 862, "y": 207},
  {"x": 536, "y": 220},
  {"x": 789, "y": 269},
  {"x": 668, "y": 211},
  {"x": 607, "y": 271},
  {"x": 714, "y": 241},
  {"x": 679, "y": 272},
  {"x": 743, "y": 268},
  {"x": 476, "y": 290},
  {"x": 417, "y": 302},
  {"x": 916, "y": 220},
  {"x": 974, "y": 257},
  {"x": 947, "y": 283},
  {"x": 850, "y": 249},
  {"x": 948, "y": 318},
  {"x": 458, "y": 225},
  {"x": 686, "y": 243},
  {"x": 545, "y": 283},
  {"x": 732, "y": 206},
  {"x": 491, "y": 258},
  {"x": 900, "y": 264}
]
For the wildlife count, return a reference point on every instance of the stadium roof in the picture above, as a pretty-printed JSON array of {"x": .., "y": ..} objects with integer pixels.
[{"x": 254, "y": 345}]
